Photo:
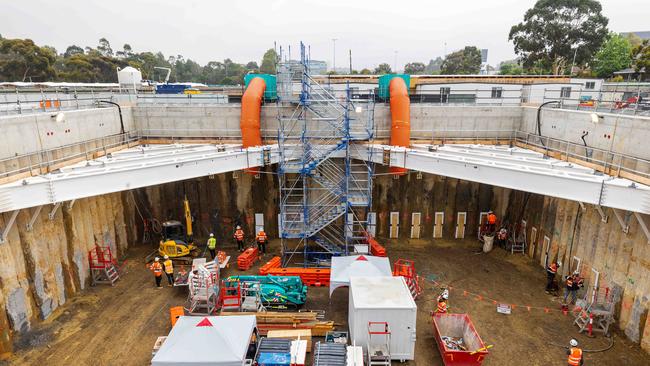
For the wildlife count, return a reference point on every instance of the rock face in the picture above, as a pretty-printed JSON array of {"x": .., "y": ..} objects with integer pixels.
[{"x": 44, "y": 266}]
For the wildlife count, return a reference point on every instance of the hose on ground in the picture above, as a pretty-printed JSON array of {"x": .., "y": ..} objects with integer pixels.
[{"x": 611, "y": 344}]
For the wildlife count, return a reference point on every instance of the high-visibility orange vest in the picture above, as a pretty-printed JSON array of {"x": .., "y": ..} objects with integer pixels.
[
  {"x": 575, "y": 356},
  {"x": 239, "y": 234},
  {"x": 261, "y": 236},
  {"x": 569, "y": 282},
  {"x": 442, "y": 307},
  {"x": 492, "y": 219},
  {"x": 156, "y": 267},
  {"x": 552, "y": 268}
]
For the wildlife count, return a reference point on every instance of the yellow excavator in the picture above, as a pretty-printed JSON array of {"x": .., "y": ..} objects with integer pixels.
[{"x": 177, "y": 241}]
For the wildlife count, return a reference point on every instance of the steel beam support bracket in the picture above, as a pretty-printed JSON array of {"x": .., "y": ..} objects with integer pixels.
[
  {"x": 643, "y": 225},
  {"x": 7, "y": 228},
  {"x": 623, "y": 219},
  {"x": 52, "y": 213},
  {"x": 603, "y": 216},
  {"x": 32, "y": 220}
]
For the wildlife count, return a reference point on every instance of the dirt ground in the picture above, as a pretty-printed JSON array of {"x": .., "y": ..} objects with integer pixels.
[{"x": 119, "y": 325}]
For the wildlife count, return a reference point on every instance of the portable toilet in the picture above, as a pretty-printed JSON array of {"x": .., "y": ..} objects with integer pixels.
[
  {"x": 129, "y": 78},
  {"x": 383, "y": 299}
]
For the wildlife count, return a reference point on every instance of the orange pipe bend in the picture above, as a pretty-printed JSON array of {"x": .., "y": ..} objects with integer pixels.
[
  {"x": 400, "y": 104},
  {"x": 251, "y": 107}
]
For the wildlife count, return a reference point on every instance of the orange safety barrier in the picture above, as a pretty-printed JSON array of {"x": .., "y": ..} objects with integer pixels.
[
  {"x": 376, "y": 249},
  {"x": 174, "y": 313},
  {"x": 275, "y": 262},
  {"x": 309, "y": 276},
  {"x": 251, "y": 106},
  {"x": 400, "y": 130},
  {"x": 247, "y": 258},
  {"x": 49, "y": 103},
  {"x": 406, "y": 269}
]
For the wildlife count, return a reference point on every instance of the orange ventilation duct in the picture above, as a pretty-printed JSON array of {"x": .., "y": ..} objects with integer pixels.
[
  {"x": 400, "y": 130},
  {"x": 251, "y": 106}
]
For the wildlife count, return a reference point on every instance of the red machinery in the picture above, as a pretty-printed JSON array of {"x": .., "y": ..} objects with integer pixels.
[
  {"x": 103, "y": 266},
  {"x": 448, "y": 329},
  {"x": 406, "y": 269}
]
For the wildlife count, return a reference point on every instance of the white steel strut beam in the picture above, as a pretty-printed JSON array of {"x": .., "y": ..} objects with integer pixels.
[{"x": 132, "y": 168}]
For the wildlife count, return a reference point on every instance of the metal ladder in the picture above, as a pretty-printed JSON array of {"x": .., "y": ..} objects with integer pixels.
[{"x": 378, "y": 352}]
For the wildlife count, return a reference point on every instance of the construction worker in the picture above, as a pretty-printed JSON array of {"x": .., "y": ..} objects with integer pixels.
[
  {"x": 573, "y": 284},
  {"x": 212, "y": 245},
  {"x": 492, "y": 222},
  {"x": 551, "y": 270},
  {"x": 157, "y": 270},
  {"x": 239, "y": 236},
  {"x": 261, "y": 241},
  {"x": 502, "y": 237},
  {"x": 169, "y": 270},
  {"x": 442, "y": 302},
  {"x": 574, "y": 353}
]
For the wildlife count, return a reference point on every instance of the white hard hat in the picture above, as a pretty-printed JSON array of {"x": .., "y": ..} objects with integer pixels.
[
  {"x": 573, "y": 343},
  {"x": 445, "y": 293},
  {"x": 211, "y": 234},
  {"x": 156, "y": 259},
  {"x": 166, "y": 256},
  {"x": 238, "y": 227},
  {"x": 576, "y": 272},
  {"x": 445, "y": 296}
]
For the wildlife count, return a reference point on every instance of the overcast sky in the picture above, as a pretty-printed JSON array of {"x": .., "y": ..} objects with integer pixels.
[{"x": 242, "y": 30}]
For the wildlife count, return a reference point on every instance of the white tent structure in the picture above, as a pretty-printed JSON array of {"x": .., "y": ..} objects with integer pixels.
[
  {"x": 207, "y": 340},
  {"x": 357, "y": 265}
]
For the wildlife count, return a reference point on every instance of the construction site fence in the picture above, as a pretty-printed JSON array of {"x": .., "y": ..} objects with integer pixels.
[{"x": 623, "y": 98}]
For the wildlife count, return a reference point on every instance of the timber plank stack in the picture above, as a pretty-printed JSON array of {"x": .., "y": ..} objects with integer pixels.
[{"x": 269, "y": 320}]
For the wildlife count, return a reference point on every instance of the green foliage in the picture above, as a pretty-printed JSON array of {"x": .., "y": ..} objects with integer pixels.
[
  {"x": 615, "y": 54},
  {"x": 382, "y": 69},
  {"x": 269, "y": 62},
  {"x": 511, "y": 67},
  {"x": 463, "y": 62},
  {"x": 414, "y": 68},
  {"x": 553, "y": 30},
  {"x": 22, "y": 60},
  {"x": 641, "y": 57}
]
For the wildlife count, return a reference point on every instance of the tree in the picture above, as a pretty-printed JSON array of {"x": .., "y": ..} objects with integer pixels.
[
  {"x": 641, "y": 57},
  {"x": 614, "y": 55},
  {"x": 269, "y": 62},
  {"x": 252, "y": 66},
  {"x": 365, "y": 72},
  {"x": 510, "y": 67},
  {"x": 383, "y": 69},
  {"x": 633, "y": 38},
  {"x": 73, "y": 50},
  {"x": 434, "y": 65},
  {"x": 553, "y": 31},
  {"x": 414, "y": 68},
  {"x": 126, "y": 52},
  {"x": 104, "y": 47},
  {"x": 462, "y": 62},
  {"x": 21, "y": 59}
]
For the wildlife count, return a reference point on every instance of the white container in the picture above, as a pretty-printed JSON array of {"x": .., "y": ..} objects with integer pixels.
[
  {"x": 129, "y": 77},
  {"x": 488, "y": 243},
  {"x": 383, "y": 299}
]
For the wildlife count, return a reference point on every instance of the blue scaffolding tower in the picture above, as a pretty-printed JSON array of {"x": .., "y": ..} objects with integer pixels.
[{"x": 325, "y": 193}]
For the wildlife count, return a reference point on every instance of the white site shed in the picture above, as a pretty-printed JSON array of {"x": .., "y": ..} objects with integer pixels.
[
  {"x": 207, "y": 340},
  {"x": 383, "y": 299}
]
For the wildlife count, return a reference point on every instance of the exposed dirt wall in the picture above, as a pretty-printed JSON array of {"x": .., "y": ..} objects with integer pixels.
[{"x": 43, "y": 267}]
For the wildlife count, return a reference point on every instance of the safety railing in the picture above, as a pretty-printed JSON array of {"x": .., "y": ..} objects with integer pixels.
[
  {"x": 630, "y": 99},
  {"x": 48, "y": 160},
  {"x": 18, "y": 101}
]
